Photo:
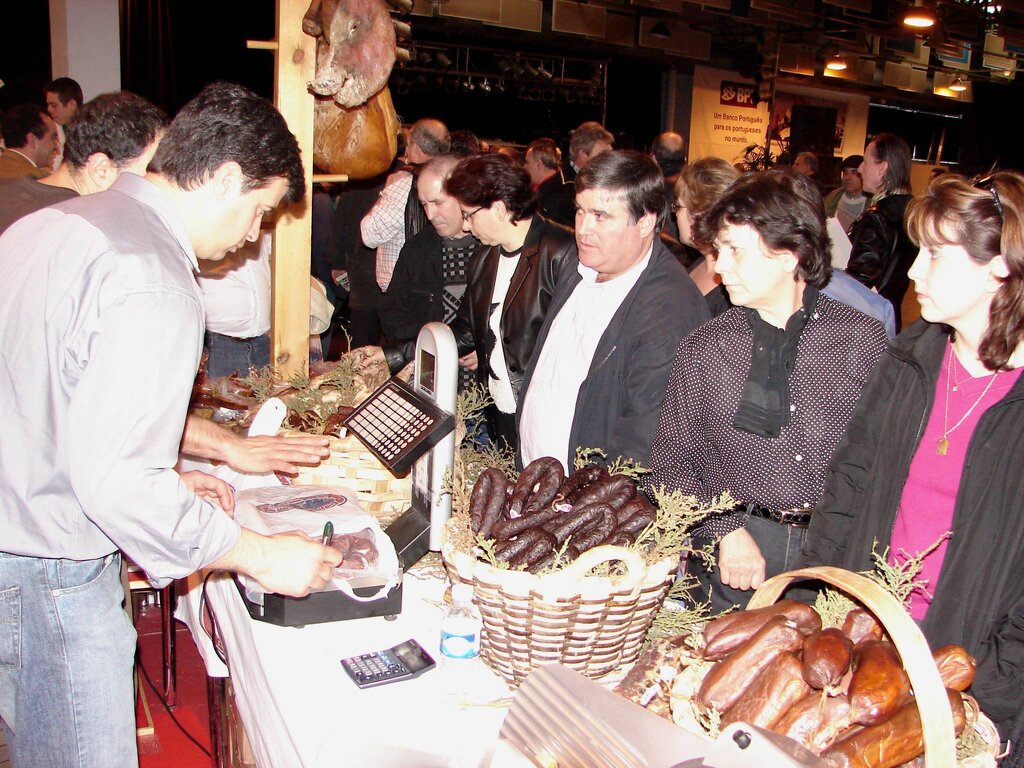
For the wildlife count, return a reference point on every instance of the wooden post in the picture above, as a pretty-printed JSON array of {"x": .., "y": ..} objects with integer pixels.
[{"x": 290, "y": 262}]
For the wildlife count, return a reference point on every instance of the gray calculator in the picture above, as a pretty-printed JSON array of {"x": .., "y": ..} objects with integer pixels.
[{"x": 401, "y": 662}]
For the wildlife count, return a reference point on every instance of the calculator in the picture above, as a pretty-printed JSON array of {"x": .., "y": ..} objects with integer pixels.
[
  {"x": 399, "y": 425},
  {"x": 401, "y": 662}
]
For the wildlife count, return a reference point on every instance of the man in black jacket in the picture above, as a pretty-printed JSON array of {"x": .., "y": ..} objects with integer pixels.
[{"x": 597, "y": 377}]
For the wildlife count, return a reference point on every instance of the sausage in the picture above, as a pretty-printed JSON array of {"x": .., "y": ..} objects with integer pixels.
[
  {"x": 879, "y": 685},
  {"x": 724, "y": 683},
  {"x": 892, "y": 742},
  {"x": 956, "y": 667},
  {"x": 528, "y": 478},
  {"x": 621, "y": 539},
  {"x": 596, "y": 534},
  {"x": 815, "y": 719},
  {"x": 571, "y": 522},
  {"x": 773, "y": 692},
  {"x": 487, "y": 500},
  {"x": 582, "y": 477},
  {"x": 518, "y": 545},
  {"x": 859, "y": 625},
  {"x": 540, "y": 547},
  {"x": 723, "y": 635},
  {"x": 637, "y": 504},
  {"x": 637, "y": 523},
  {"x": 507, "y": 529},
  {"x": 605, "y": 489},
  {"x": 547, "y": 487},
  {"x": 827, "y": 656}
]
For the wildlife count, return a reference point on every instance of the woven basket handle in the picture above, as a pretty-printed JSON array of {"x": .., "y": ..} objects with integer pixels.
[
  {"x": 636, "y": 568},
  {"x": 929, "y": 692}
]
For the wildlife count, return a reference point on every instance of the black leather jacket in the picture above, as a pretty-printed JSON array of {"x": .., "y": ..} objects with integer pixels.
[
  {"x": 549, "y": 250},
  {"x": 882, "y": 252}
]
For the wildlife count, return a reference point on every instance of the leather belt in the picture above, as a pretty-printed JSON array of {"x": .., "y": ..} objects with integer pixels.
[{"x": 797, "y": 518}]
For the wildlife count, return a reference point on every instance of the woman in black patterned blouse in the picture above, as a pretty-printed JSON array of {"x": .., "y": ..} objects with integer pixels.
[{"x": 760, "y": 396}]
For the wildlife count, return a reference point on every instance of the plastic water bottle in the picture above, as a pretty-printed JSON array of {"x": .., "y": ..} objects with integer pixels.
[{"x": 460, "y": 627}]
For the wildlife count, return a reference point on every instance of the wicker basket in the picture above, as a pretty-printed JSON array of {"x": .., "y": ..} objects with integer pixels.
[
  {"x": 592, "y": 624},
  {"x": 930, "y": 694},
  {"x": 351, "y": 464}
]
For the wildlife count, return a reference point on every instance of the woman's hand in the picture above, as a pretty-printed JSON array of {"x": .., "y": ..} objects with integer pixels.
[
  {"x": 740, "y": 563},
  {"x": 209, "y": 487}
]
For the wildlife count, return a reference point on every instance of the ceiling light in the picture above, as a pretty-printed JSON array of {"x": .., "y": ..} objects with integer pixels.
[
  {"x": 543, "y": 72},
  {"x": 919, "y": 17},
  {"x": 836, "y": 62},
  {"x": 958, "y": 85},
  {"x": 485, "y": 86},
  {"x": 442, "y": 60}
]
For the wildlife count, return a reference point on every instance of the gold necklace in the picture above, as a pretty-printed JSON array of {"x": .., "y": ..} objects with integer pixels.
[{"x": 943, "y": 444}]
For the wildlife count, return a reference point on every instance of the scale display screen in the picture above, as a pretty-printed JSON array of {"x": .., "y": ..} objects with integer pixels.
[{"x": 426, "y": 369}]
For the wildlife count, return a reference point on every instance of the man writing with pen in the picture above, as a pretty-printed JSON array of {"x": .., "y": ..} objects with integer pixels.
[{"x": 599, "y": 371}]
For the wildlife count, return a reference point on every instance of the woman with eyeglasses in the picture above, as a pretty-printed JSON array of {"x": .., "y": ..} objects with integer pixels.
[
  {"x": 510, "y": 279},
  {"x": 935, "y": 450},
  {"x": 881, "y": 251}
]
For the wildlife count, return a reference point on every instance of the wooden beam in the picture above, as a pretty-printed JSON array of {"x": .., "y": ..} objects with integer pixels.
[{"x": 290, "y": 262}]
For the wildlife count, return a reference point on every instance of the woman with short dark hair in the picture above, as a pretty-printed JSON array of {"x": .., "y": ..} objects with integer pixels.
[
  {"x": 510, "y": 279},
  {"x": 934, "y": 450}
]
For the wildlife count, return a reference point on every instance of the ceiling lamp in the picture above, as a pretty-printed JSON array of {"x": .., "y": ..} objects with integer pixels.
[
  {"x": 920, "y": 16},
  {"x": 836, "y": 62},
  {"x": 958, "y": 85}
]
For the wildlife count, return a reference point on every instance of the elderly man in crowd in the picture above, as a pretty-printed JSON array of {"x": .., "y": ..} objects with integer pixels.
[
  {"x": 554, "y": 196},
  {"x": 597, "y": 377},
  {"x": 760, "y": 396},
  {"x": 96, "y": 292},
  {"x": 588, "y": 141}
]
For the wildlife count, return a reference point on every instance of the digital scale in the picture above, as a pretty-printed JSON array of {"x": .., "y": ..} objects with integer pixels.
[{"x": 413, "y": 428}]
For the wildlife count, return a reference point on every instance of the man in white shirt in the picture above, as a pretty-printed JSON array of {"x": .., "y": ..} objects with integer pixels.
[
  {"x": 597, "y": 378},
  {"x": 387, "y": 225}
]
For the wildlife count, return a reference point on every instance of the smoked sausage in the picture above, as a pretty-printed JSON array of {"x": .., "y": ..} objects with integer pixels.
[
  {"x": 726, "y": 633},
  {"x": 827, "y": 656},
  {"x": 773, "y": 692},
  {"x": 879, "y": 685}
]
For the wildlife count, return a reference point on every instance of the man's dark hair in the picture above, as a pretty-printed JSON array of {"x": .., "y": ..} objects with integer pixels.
[
  {"x": 463, "y": 144},
  {"x": 66, "y": 89},
  {"x": 22, "y": 120},
  {"x": 547, "y": 152},
  {"x": 230, "y": 123},
  {"x": 895, "y": 151},
  {"x": 786, "y": 210},
  {"x": 431, "y": 136},
  {"x": 669, "y": 150},
  {"x": 482, "y": 180},
  {"x": 635, "y": 177},
  {"x": 120, "y": 125}
]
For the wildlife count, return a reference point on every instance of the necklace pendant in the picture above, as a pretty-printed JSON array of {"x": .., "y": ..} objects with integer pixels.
[{"x": 942, "y": 446}]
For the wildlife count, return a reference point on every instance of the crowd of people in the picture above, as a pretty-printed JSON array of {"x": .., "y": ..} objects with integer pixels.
[{"x": 681, "y": 315}]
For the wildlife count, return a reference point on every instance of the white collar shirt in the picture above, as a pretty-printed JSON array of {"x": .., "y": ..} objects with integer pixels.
[{"x": 236, "y": 291}]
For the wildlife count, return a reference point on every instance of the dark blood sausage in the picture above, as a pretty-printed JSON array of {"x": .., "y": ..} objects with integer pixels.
[
  {"x": 490, "y": 485},
  {"x": 879, "y": 685},
  {"x": 571, "y": 522},
  {"x": 542, "y": 546},
  {"x": 528, "y": 478},
  {"x": 606, "y": 489},
  {"x": 859, "y": 625},
  {"x": 547, "y": 488},
  {"x": 723, "y": 635},
  {"x": 893, "y": 742},
  {"x": 956, "y": 667},
  {"x": 517, "y": 546},
  {"x": 637, "y": 523},
  {"x": 495, "y": 505},
  {"x": 631, "y": 508},
  {"x": 506, "y": 529},
  {"x": 621, "y": 539},
  {"x": 827, "y": 656},
  {"x": 724, "y": 683},
  {"x": 575, "y": 482},
  {"x": 770, "y": 696},
  {"x": 598, "y": 533}
]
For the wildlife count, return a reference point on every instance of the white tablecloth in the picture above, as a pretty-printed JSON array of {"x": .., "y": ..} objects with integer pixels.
[{"x": 300, "y": 709}]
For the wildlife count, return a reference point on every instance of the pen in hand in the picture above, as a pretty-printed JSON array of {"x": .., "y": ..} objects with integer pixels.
[{"x": 328, "y": 534}]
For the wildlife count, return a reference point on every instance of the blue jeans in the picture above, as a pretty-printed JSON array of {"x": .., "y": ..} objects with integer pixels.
[
  {"x": 227, "y": 354},
  {"x": 779, "y": 544},
  {"x": 67, "y": 650}
]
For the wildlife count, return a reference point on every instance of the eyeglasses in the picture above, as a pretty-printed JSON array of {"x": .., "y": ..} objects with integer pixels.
[
  {"x": 467, "y": 215},
  {"x": 989, "y": 185}
]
